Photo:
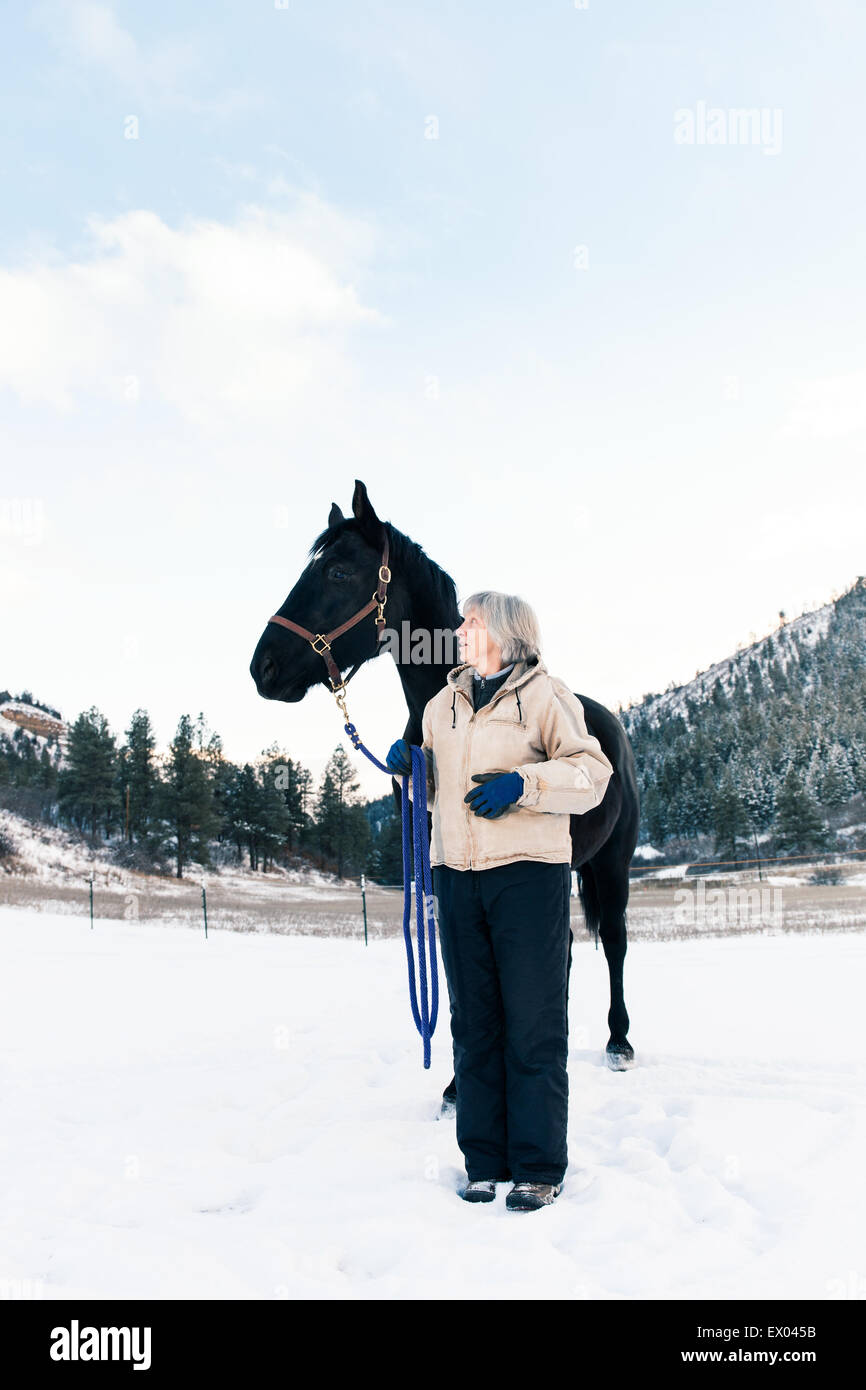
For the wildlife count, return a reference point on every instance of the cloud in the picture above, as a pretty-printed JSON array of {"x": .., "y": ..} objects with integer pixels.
[
  {"x": 93, "y": 30},
  {"x": 89, "y": 34},
  {"x": 211, "y": 318}
]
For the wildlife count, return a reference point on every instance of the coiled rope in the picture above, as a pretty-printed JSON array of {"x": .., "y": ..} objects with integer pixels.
[{"x": 416, "y": 852}]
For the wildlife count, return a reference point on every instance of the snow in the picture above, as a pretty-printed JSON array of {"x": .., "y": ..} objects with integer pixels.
[
  {"x": 22, "y": 707},
  {"x": 670, "y": 871},
  {"x": 812, "y": 627},
  {"x": 247, "y": 1116},
  {"x": 785, "y": 880},
  {"x": 52, "y": 855}
]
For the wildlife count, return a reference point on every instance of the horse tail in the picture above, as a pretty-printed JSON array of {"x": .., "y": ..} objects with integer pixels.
[{"x": 587, "y": 890}]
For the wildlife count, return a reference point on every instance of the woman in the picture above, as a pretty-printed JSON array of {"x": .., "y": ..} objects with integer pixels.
[{"x": 509, "y": 761}]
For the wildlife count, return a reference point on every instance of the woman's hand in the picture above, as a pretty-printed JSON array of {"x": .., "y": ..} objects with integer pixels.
[
  {"x": 399, "y": 759},
  {"x": 500, "y": 791}
]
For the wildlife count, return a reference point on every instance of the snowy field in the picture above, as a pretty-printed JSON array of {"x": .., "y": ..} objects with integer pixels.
[{"x": 247, "y": 1116}]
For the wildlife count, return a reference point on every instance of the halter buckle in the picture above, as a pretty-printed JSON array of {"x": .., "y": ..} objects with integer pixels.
[
  {"x": 380, "y": 605},
  {"x": 320, "y": 637},
  {"x": 385, "y": 574}
]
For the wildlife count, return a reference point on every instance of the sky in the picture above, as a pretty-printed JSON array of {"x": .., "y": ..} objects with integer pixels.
[{"x": 584, "y": 332}]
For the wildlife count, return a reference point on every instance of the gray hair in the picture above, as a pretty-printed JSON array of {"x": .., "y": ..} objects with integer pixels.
[{"x": 511, "y": 622}]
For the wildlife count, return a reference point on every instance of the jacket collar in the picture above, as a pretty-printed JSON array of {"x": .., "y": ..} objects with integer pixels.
[
  {"x": 460, "y": 678},
  {"x": 495, "y": 676}
]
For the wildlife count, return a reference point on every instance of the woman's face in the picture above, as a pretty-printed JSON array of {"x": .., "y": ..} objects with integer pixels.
[{"x": 475, "y": 645}]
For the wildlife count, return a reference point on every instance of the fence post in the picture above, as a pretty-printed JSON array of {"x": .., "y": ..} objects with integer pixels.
[
  {"x": 758, "y": 853},
  {"x": 204, "y": 905},
  {"x": 364, "y": 906},
  {"x": 91, "y": 900}
]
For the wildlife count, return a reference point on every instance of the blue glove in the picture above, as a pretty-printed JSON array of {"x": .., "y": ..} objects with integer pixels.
[
  {"x": 399, "y": 759},
  {"x": 500, "y": 791}
]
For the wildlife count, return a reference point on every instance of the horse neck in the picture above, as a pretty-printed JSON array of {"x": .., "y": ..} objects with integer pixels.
[{"x": 425, "y": 612}]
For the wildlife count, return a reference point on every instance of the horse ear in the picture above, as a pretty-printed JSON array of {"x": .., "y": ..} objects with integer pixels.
[
  {"x": 334, "y": 515},
  {"x": 365, "y": 515}
]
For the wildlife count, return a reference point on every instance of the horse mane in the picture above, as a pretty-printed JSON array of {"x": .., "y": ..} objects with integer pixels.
[{"x": 404, "y": 553}]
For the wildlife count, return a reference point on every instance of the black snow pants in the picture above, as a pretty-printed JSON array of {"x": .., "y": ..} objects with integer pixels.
[{"x": 505, "y": 938}]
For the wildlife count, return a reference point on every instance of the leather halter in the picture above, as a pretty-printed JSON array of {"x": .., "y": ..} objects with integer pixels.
[{"x": 379, "y": 599}]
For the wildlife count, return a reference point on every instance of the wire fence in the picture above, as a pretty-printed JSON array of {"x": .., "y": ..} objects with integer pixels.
[
  {"x": 829, "y": 856},
  {"x": 373, "y": 911}
]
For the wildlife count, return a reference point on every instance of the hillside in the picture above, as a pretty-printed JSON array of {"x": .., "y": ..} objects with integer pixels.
[
  {"x": 27, "y": 728},
  {"x": 766, "y": 745}
]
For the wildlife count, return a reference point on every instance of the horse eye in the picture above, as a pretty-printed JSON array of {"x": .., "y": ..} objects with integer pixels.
[{"x": 336, "y": 573}]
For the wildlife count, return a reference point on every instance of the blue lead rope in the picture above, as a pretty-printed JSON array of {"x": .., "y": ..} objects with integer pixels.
[{"x": 418, "y": 852}]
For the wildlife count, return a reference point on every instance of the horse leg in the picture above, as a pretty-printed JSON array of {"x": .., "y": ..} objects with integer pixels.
[{"x": 611, "y": 898}]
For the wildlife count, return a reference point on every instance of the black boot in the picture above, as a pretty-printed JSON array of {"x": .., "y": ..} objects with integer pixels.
[
  {"x": 483, "y": 1190},
  {"x": 529, "y": 1196}
]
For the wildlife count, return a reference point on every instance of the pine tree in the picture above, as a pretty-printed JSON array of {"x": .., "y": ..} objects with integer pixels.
[
  {"x": 295, "y": 783},
  {"x": 756, "y": 681},
  {"x": 836, "y": 784},
  {"x": 243, "y": 805},
  {"x": 729, "y": 817},
  {"x": 327, "y": 818},
  {"x": 654, "y": 815},
  {"x": 687, "y": 819},
  {"x": 87, "y": 786},
  {"x": 221, "y": 773},
  {"x": 758, "y": 796},
  {"x": 799, "y": 826},
  {"x": 388, "y": 867},
  {"x": 187, "y": 796},
  {"x": 274, "y": 820},
  {"x": 139, "y": 779},
  {"x": 342, "y": 828},
  {"x": 718, "y": 696},
  {"x": 858, "y": 764},
  {"x": 816, "y": 769}
]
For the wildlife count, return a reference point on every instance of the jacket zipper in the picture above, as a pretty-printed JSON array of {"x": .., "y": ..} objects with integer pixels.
[
  {"x": 469, "y": 811},
  {"x": 466, "y": 763}
]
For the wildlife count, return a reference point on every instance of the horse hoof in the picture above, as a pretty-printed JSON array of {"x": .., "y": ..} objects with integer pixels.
[{"x": 619, "y": 1056}]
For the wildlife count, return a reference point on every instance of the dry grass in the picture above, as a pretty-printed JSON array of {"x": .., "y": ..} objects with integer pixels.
[{"x": 268, "y": 904}]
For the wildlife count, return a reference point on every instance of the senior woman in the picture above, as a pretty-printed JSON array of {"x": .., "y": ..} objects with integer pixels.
[{"x": 509, "y": 761}]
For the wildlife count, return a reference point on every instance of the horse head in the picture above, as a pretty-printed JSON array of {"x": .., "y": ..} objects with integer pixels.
[{"x": 340, "y": 579}]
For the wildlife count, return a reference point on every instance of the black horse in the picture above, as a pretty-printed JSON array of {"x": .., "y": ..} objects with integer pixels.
[{"x": 337, "y": 582}]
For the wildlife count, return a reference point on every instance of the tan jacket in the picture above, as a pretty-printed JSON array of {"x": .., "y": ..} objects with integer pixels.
[{"x": 533, "y": 725}]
